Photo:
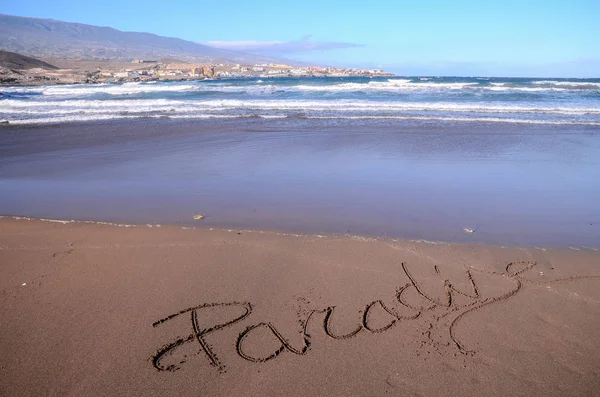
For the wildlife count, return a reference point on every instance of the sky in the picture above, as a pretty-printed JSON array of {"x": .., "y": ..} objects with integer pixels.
[{"x": 428, "y": 37}]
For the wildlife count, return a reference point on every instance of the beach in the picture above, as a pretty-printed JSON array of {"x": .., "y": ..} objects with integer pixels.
[
  {"x": 135, "y": 310},
  {"x": 523, "y": 185},
  {"x": 345, "y": 237}
]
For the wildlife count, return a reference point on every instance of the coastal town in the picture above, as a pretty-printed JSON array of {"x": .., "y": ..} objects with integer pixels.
[
  {"x": 60, "y": 71},
  {"x": 189, "y": 70}
]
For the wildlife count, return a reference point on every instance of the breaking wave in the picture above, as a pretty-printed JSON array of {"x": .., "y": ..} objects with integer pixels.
[{"x": 533, "y": 101}]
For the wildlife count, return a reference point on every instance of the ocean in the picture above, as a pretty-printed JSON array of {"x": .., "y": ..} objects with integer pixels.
[
  {"x": 417, "y": 100},
  {"x": 517, "y": 161}
]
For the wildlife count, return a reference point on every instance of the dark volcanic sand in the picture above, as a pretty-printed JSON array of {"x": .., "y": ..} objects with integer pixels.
[{"x": 513, "y": 184}]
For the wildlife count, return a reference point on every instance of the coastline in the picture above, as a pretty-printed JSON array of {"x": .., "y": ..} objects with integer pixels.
[
  {"x": 475, "y": 283},
  {"x": 50, "y": 83},
  {"x": 77, "y": 72},
  {"x": 307, "y": 234},
  {"x": 92, "y": 308},
  {"x": 514, "y": 185}
]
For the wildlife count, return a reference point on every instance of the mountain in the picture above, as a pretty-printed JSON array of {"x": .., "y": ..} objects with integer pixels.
[
  {"x": 11, "y": 60},
  {"x": 48, "y": 38}
]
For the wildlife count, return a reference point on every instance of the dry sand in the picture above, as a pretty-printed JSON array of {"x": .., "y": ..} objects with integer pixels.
[{"x": 101, "y": 310}]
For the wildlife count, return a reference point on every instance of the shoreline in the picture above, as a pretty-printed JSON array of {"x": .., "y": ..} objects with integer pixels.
[
  {"x": 369, "y": 179},
  {"x": 358, "y": 237},
  {"x": 40, "y": 81},
  {"x": 425, "y": 122}
]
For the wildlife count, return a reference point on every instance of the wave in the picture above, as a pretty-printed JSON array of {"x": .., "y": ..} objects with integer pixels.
[
  {"x": 262, "y": 88},
  {"x": 86, "y": 103},
  {"x": 390, "y": 85},
  {"x": 10, "y": 106},
  {"x": 106, "y": 117},
  {"x": 461, "y": 119},
  {"x": 573, "y": 83},
  {"x": 418, "y": 98},
  {"x": 523, "y": 89},
  {"x": 569, "y": 85},
  {"x": 111, "y": 89},
  {"x": 137, "y": 89}
]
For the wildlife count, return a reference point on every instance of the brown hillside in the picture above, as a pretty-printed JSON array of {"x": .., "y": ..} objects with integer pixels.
[{"x": 12, "y": 60}]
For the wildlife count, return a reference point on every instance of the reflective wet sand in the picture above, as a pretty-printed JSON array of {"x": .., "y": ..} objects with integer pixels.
[{"x": 514, "y": 185}]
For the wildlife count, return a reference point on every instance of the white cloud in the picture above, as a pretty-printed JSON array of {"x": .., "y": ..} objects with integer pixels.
[
  {"x": 247, "y": 45},
  {"x": 275, "y": 48}
]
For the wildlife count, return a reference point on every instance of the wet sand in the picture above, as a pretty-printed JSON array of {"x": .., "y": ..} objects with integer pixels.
[
  {"x": 103, "y": 310},
  {"x": 523, "y": 185}
]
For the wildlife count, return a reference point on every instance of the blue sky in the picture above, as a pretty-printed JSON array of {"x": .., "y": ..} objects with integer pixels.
[{"x": 533, "y": 38}]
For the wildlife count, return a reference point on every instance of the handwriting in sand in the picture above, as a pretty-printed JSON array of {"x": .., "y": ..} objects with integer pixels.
[{"x": 442, "y": 315}]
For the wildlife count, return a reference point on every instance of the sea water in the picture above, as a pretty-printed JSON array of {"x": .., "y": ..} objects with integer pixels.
[
  {"x": 416, "y": 99},
  {"x": 515, "y": 160}
]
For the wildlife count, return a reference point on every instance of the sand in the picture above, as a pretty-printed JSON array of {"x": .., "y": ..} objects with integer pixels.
[
  {"x": 514, "y": 185},
  {"x": 105, "y": 310}
]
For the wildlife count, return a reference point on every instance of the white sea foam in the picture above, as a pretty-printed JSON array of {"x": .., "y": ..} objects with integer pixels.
[
  {"x": 572, "y": 84},
  {"x": 386, "y": 99},
  {"x": 19, "y": 108},
  {"x": 111, "y": 89},
  {"x": 462, "y": 119},
  {"x": 71, "y": 119},
  {"x": 545, "y": 82},
  {"x": 349, "y": 105},
  {"x": 86, "y": 103},
  {"x": 80, "y": 118},
  {"x": 390, "y": 85},
  {"x": 524, "y": 89},
  {"x": 260, "y": 89}
]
